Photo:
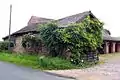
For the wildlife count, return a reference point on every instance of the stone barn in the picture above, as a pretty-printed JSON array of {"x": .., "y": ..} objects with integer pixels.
[{"x": 110, "y": 44}]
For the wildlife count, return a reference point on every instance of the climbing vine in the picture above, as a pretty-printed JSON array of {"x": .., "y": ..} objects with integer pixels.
[
  {"x": 52, "y": 39},
  {"x": 82, "y": 38},
  {"x": 79, "y": 39},
  {"x": 31, "y": 41}
]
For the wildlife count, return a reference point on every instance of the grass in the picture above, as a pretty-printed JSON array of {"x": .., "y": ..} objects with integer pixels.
[
  {"x": 55, "y": 63},
  {"x": 19, "y": 59},
  {"x": 41, "y": 62},
  {"x": 37, "y": 62}
]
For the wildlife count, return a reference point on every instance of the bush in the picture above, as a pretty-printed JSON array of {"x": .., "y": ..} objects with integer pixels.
[
  {"x": 32, "y": 43},
  {"x": 55, "y": 63},
  {"x": 4, "y": 45}
]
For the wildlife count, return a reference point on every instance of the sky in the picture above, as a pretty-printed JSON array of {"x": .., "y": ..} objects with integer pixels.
[{"x": 106, "y": 10}]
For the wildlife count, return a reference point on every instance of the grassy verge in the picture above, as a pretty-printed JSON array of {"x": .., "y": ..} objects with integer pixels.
[
  {"x": 41, "y": 62},
  {"x": 37, "y": 62}
]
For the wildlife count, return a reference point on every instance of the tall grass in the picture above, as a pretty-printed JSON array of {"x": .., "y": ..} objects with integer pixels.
[{"x": 38, "y": 62}]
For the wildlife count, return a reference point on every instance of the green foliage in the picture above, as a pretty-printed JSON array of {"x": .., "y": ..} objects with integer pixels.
[
  {"x": 26, "y": 60},
  {"x": 78, "y": 38},
  {"x": 55, "y": 63},
  {"x": 83, "y": 38},
  {"x": 4, "y": 45},
  {"x": 31, "y": 41},
  {"x": 37, "y": 62},
  {"x": 51, "y": 38}
]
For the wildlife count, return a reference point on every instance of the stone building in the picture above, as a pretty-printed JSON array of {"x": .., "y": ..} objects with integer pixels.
[{"x": 110, "y": 44}]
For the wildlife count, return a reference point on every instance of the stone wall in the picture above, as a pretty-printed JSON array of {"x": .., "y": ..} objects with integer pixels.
[
  {"x": 18, "y": 45},
  {"x": 20, "y": 49}
]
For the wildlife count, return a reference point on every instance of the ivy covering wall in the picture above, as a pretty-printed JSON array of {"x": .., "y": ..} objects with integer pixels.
[
  {"x": 78, "y": 39},
  {"x": 31, "y": 42},
  {"x": 82, "y": 38}
]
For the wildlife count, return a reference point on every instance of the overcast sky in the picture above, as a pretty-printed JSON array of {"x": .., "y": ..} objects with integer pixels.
[{"x": 106, "y": 10}]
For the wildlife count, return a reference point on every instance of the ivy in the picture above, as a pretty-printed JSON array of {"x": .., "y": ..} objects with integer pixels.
[
  {"x": 31, "y": 41},
  {"x": 83, "y": 37},
  {"x": 80, "y": 39},
  {"x": 51, "y": 38}
]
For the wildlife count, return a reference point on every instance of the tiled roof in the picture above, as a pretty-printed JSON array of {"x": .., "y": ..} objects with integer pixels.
[
  {"x": 107, "y": 37},
  {"x": 36, "y": 20},
  {"x": 29, "y": 28},
  {"x": 63, "y": 22},
  {"x": 106, "y": 33},
  {"x": 111, "y": 38},
  {"x": 72, "y": 19},
  {"x": 32, "y": 25}
]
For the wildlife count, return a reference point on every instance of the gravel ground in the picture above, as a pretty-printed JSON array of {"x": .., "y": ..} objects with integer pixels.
[{"x": 108, "y": 71}]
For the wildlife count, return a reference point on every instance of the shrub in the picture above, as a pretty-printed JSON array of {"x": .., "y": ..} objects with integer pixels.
[
  {"x": 4, "y": 45},
  {"x": 55, "y": 63},
  {"x": 50, "y": 37},
  {"x": 32, "y": 43}
]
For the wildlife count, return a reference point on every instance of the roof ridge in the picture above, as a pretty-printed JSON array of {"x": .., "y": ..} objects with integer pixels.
[
  {"x": 35, "y": 18},
  {"x": 74, "y": 15},
  {"x": 41, "y": 17}
]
